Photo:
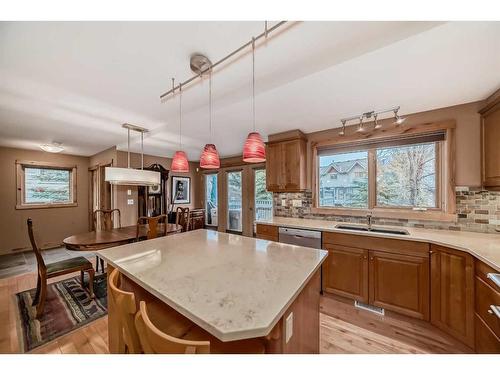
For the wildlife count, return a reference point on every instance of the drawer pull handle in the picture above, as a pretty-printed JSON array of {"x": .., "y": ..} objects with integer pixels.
[
  {"x": 494, "y": 310},
  {"x": 495, "y": 277}
]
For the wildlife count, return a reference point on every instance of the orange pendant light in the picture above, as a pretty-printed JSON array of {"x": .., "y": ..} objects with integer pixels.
[
  {"x": 254, "y": 150},
  {"x": 210, "y": 156},
  {"x": 180, "y": 162}
]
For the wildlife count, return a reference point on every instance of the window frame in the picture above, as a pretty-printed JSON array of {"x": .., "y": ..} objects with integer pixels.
[
  {"x": 445, "y": 189},
  {"x": 20, "y": 184}
]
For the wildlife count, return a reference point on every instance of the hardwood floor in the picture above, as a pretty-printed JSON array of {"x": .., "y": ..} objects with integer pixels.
[{"x": 344, "y": 329}]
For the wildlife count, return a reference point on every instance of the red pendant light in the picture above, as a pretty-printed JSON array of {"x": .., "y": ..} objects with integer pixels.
[
  {"x": 210, "y": 156},
  {"x": 254, "y": 150},
  {"x": 180, "y": 163}
]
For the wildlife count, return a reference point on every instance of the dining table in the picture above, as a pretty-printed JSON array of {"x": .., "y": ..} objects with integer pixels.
[{"x": 103, "y": 239}]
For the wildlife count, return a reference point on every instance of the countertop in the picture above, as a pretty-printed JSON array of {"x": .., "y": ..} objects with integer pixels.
[
  {"x": 234, "y": 287},
  {"x": 484, "y": 246}
]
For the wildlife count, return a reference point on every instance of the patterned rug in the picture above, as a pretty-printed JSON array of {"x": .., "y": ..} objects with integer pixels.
[{"x": 68, "y": 306}]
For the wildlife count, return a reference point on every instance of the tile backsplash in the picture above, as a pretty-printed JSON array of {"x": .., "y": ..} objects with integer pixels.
[{"x": 477, "y": 211}]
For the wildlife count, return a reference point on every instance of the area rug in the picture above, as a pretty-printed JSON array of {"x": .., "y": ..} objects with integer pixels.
[{"x": 68, "y": 306}]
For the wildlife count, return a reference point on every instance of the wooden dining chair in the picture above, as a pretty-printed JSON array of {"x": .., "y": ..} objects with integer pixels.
[
  {"x": 155, "y": 341},
  {"x": 107, "y": 223},
  {"x": 128, "y": 341},
  {"x": 153, "y": 225},
  {"x": 182, "y": 218},
  {"x": 63, "y": 267}
]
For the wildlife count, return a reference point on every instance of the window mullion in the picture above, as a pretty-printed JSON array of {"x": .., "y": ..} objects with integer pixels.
[{"x": 372, "y": 179}]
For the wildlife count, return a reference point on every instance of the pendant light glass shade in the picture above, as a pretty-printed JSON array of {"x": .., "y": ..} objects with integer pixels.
[
  {"x": 254, "y": 150},
  {"x": 180, "y": 163},
  {"x": 210, "y": 157}
]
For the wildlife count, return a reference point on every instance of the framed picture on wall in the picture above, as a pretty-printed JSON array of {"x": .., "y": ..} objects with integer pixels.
[{"x": 181, "y": 190}]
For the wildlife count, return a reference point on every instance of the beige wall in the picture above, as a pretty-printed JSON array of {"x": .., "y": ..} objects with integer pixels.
[
  {"x": 129, "y": 212},
  {"x": 52, "y": 224},
  {"x": 468, "y": 157}
]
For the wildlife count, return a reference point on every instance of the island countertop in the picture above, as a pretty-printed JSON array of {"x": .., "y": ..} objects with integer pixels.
[{"x": 232, "y": 286}]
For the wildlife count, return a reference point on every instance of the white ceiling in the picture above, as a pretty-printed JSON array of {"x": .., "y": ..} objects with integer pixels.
[{"x": 77, "y": 82}]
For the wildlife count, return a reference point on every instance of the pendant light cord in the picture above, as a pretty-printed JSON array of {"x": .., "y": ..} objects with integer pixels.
[
  {"x": 253, "y": 81},
  {"x": 210, "y": 105},
  {"x": 180, "y": 117}
]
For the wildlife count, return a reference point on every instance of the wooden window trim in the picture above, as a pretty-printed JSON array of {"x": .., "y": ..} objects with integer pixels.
[
  {"x": 20, "y": 203},
  {"x": 445, "y": 193}
]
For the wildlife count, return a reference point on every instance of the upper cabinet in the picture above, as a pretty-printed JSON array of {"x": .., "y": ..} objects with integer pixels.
[
  {"x": 286, "y": 164},
  {"x": 490, "y": 142}
]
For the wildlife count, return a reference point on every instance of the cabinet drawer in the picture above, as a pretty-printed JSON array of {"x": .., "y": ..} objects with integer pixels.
[
  {"x": 376, "y": 243},
  {"x": 485, "y": 297},
  {"x": 267, "y": 232},
  {"x": 482, "y": 271},
  {"x": 486, "y": 341}
]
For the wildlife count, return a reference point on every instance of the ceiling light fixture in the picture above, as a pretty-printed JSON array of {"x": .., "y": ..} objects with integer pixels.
[
  {"x": 180, "y": 162},
  {"x": 131, "y": 176},
  {"x": 210, "y": 157},
  {"x": 254, "y": 150},
  {"x": 53, "y": 147},
  {"x": 398, "y": 120}
]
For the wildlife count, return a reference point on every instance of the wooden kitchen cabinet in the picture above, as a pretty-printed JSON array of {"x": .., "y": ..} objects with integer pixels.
[
  {"x": 267, "y": 232},
  {"x": 286, "y": 165},
  {"x": 400, "y": 283},
  {"x": 452, "y": 292},
  {"x": 345, "y": 272},
  {"x": 490, "y": 142}
]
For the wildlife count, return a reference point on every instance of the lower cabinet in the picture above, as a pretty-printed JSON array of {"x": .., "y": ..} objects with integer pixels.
[
  {"x": 267, "y": 232},
  {"x": 400, "y": 283},
  {"x": 452, "y": 292},
  {"x": 345, "y": 272},
  {"x": 486, "y": 340}
]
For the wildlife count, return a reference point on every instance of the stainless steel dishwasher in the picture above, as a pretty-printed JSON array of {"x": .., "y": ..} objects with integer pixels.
[{"x": 300, "y": 237}]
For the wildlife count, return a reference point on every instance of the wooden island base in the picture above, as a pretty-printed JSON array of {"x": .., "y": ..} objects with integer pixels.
[{"x": 305, "y": 309}]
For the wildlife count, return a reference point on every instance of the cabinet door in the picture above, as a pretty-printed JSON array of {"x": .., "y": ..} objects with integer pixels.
[
  {"x": 345, "y": 272},
  {"x": 274, "y": 167},
  {"x": 400, "y": 283},
  {"x": 452, "y": 293},
  {"x": 486, "y": 340},
  {"x": 292, "y": 158},
  {"x": 491, "y": 149}
]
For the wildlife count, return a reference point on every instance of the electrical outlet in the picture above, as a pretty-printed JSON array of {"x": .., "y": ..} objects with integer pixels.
[
  {"x": 289, "y": 327},
  {"x": 283, "y": 202},
  {"x": 130, "y": 202},
  {"x": 297, "y": 203}
]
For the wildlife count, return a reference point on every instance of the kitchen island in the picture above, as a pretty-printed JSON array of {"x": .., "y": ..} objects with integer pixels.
[{"x": 233, "y": 287}]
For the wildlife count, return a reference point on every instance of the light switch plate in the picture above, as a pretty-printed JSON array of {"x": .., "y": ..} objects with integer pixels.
[
  {"x": 289, "y": 327},
  {"x": 283, "y": 202},
  {"x": 130, "y": 202},
  {"x": 129, "y": 192},
  {"x": 297, "y": 203}
]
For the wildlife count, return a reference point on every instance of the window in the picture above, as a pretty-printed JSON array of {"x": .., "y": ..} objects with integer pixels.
[
  {"x": 349, "y": 187},
  {"x": 211, "y": 199},
  {"x": 406, "y": 176},
  {"x": 42, "y": 185},
  {"x": 234, "y": 197},
  {"x": 263, "y": 198},
  {"x": 388, "y": 176}
]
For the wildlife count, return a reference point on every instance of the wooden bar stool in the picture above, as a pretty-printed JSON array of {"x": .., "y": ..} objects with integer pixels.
[{"x": 195, "y": 341}]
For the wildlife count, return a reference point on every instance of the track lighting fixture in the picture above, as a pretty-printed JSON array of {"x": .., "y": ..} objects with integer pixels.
[
  {"x": 368, "y": 115},
  {"x": 398, "y": 119},
  {"x": 342, "y": 132},
  {"x": 377, "y": 124},
  {"x": 360, "y": 126}
]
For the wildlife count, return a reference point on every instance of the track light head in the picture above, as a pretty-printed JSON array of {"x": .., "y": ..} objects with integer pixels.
[
  {"x": 377, "y": 124},
  {"x": 360, "y": 126},
  {"x": 398, "y": 120},
  {"x": 342, "y": 131}
]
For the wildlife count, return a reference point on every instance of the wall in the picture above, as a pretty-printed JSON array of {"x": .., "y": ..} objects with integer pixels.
[
  {"x": 52, "y": 224},
  {"x": 129, "y": 212},
  {"x": 467, "y": 139}
]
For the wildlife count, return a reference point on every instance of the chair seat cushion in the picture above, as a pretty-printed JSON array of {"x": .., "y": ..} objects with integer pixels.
[
  {"x": 250, "y": 346},
  {"x": 69, "y": 264}
]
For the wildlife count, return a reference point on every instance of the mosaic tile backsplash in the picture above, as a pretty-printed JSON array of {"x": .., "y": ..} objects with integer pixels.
[{"x": 477, "y": 211}]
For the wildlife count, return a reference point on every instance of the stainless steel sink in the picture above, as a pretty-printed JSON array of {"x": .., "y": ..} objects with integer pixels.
[{"x": 365, "y": 228}]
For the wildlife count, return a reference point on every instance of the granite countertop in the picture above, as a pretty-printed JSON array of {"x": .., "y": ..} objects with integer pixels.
[
  {"x": 484, "y": 246},
  {"x": 234, "y": 287}
]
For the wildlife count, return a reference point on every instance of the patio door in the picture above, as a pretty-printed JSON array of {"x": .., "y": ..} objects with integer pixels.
[
  {"x": 234, "y": 201},
  {"x": 211, "y": 200}
]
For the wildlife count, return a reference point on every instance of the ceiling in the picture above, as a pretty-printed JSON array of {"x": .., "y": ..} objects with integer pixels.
[{"x": 77, "y": 82}]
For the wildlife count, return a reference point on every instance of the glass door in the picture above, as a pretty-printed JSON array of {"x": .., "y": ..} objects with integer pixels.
[
  {"x": 211, "y": 200},
  {"x": 263, "y": 198},
  {"x": 234, "y": 199}
]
